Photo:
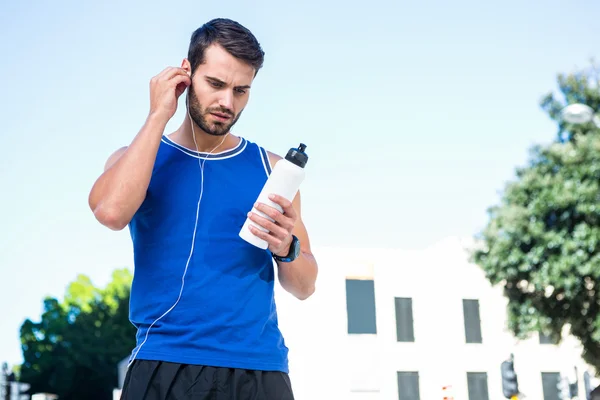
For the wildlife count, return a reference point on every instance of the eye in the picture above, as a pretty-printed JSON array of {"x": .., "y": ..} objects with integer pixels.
[
  {"x": 215, "y": 84},
  {"x": 240, "y": 91}
]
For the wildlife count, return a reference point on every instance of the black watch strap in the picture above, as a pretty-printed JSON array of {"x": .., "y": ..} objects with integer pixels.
[{"x": 292, "y": 254}]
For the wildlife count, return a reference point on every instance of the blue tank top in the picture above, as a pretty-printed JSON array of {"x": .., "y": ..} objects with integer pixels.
[{"x": 226, "y": 315}]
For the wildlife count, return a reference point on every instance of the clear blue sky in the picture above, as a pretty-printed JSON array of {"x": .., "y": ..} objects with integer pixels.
[{"x": 415, "y": 115}]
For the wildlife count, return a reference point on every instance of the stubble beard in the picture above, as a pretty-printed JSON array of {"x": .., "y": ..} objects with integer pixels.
[{"x": 199, "y": 115}]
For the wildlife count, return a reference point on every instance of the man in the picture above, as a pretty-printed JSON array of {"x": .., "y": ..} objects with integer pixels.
[{"x": 202, "y": 298}]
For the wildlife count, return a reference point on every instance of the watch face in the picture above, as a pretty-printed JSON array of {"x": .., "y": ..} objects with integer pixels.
[{"x": 296, "y": 245}]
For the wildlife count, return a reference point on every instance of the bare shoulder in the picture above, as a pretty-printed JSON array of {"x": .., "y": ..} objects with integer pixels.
[
  {"x": 114, "y": 157},
  {"x": 273, "y": 158}
]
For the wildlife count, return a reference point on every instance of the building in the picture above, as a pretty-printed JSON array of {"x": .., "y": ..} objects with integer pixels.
[{"x": 393, "y": 324}]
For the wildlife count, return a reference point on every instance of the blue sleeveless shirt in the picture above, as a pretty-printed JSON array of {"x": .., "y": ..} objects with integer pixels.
[{"x": 226, "y": 315}]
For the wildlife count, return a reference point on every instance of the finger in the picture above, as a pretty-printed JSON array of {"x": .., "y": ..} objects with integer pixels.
[
  {"x": 180, "y": 83},
  {"x": 276, "y": 230},
  {"x": 273, "y": 241},
  {"x": 169, "y": 73},
  {"x": 283, "y": 220},
  {"x": 175, "y": 81},
  {"x": 288, "y": 208},
  {"x": 178, "y": 72},
  {"x": 165, "y": 73}
]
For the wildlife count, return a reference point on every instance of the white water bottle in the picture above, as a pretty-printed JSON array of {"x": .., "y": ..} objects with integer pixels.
[{"x": 284, "y": 180}]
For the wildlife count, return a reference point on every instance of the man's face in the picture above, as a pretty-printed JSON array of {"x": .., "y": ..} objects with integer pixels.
[{"x": 219, "y": 92}]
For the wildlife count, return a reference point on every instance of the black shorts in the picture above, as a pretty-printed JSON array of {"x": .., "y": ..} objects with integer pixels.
[{"x": 158, "y": 380}]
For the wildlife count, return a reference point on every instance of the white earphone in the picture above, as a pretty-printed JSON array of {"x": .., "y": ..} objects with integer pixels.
[{"x": 201, "y": 165}]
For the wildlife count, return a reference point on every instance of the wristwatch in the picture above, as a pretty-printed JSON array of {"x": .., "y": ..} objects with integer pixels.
[{"x": 292, "y": 254}]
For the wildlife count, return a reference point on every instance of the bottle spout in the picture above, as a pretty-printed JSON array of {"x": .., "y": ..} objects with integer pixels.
[{"x": 298, "y": 156}]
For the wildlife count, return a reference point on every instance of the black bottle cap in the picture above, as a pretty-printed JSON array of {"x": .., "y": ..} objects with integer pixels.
[{"x": 298, "y": 156}]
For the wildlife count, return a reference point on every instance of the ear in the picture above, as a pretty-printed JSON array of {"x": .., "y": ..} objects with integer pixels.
[{"x": 185, "y": 64}]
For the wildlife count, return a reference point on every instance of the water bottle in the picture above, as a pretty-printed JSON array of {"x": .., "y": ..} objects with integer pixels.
[{"x": 284, "y": 180}]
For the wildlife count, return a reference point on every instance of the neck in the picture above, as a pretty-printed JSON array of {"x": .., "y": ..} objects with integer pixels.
[{"x": 204, "y": 143}]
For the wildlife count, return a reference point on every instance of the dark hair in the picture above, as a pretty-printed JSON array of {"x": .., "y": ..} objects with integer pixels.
[{"x": 232, "y": 36}]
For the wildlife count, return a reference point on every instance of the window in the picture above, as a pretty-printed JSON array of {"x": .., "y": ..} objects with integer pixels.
[
  {"x": 478, "y": 385},
  {"x": 547, "y": 339},
  {"x": 360, "y": 305},
  {"x": 550, "y": 381},
  {"x": 408, "y": 386},
  {"x": 472, "y": 321},
  {"x": 404, "y": 320}
]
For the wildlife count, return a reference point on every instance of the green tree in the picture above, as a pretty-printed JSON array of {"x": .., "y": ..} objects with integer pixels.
[
  {"x": 542, "y": 241},
  {"x": 73, "y": 351}
]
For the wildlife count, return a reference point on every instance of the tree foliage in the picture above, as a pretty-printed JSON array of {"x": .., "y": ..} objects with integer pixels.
[
  {"x": 578, "y": 87},
  {"x": 73, "y": 351},
  {"x": 542, "y": 241}
]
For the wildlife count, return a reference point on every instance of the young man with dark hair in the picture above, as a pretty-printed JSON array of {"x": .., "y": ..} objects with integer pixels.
[{"x": 202, "y": 298}]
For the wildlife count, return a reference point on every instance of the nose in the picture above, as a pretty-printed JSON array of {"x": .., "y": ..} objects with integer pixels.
[{"x": 226, "y": 100}]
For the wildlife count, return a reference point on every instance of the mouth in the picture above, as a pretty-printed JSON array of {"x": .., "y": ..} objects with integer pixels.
[{"x": 220, "y": 116}]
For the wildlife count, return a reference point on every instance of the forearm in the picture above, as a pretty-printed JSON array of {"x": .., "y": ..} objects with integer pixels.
[
  {"x": 121, "y": 189},
  {"x": 299, "y": 276}
]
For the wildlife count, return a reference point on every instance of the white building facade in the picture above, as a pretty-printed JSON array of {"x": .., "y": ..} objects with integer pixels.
[{"x": 392, "y": 324}]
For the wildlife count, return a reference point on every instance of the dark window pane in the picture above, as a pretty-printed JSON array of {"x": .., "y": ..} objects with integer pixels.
[
  {"x": 404, "y": 320},
  {"x": 478, "y": 385},
  {"x": 472, "y": 321},
  {"x": 547, "y": 339},
  {"x": 408, "y": 386},
  {"x": 360, "y": 304},
  {"x": 550, "y": 382}
]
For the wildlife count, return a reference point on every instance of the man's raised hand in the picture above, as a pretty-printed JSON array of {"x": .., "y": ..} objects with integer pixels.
[{"x": 165, "y": 89}]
